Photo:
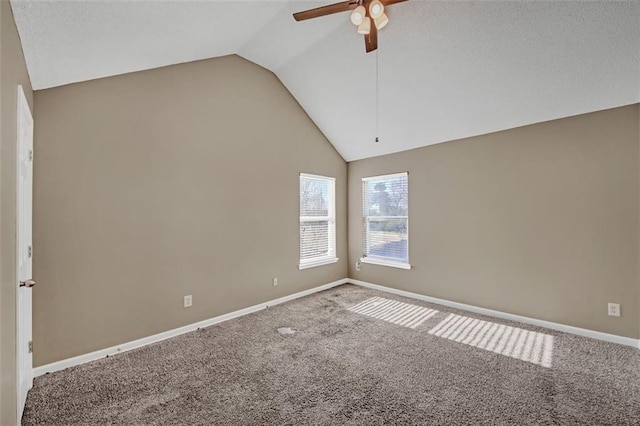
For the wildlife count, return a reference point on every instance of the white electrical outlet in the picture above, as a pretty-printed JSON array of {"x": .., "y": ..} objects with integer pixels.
[
  {"x": 188, "y": 301},
  {"x": 275, "y": 281},
  {"x": 357, "y": 266},
  {"x": 614, "y": 309}
]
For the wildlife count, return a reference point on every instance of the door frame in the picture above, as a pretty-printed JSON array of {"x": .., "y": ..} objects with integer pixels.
[{"x": 21, "y": 103}]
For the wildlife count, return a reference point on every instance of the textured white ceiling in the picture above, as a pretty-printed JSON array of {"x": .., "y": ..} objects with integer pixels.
[{"x": 447, "y": 70}]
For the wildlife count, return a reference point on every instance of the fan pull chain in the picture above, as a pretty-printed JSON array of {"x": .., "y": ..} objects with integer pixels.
[{"x": 377, "y": 99}]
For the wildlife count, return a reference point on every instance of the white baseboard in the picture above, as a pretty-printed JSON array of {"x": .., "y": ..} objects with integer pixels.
[
  {"x": 627, "y": 341},
  {"x": 81, "y": 359}
]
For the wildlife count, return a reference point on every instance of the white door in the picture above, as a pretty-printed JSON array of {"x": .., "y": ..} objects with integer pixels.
[{"x": 24, "y": 249}]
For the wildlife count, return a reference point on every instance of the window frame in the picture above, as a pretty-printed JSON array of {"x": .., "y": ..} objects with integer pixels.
[
  {"x": 331, "y": 257},
  {"x": 366, "y": 220}
]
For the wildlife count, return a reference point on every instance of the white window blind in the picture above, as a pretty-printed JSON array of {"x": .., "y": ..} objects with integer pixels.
[
  {"x": 317, "y": 221},
  {"x": 386, "y": 219}
]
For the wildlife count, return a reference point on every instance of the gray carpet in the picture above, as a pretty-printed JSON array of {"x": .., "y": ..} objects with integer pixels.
[{"x": 399, "y": 365}]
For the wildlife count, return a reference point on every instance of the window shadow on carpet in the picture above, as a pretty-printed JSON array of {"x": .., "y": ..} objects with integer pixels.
[
  {"x": 394, "y": 312},
  {"x": 514, "y": 342}
]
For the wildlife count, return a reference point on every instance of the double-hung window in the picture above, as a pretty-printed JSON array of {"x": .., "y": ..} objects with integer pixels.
[
  {"x": 386, "y": 220},
  {"x": 317, "y": 221}
]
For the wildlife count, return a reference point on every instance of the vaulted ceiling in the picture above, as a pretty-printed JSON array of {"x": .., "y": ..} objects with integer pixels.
[{"x": 446, "y": 70}]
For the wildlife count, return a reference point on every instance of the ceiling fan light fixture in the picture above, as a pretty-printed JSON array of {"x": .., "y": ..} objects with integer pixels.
[
  {"x": 357, "y": 16},
  {"x": 376, "y": 9},
  {"x": 365, "y": 27},
  {"x": 381, "y": 21},
  {"x": 367, "y": 15}
]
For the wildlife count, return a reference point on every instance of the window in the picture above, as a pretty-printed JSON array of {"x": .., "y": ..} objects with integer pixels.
[
  {"x": 317, "y": 221},
  {"x": 386, "y": 220}
]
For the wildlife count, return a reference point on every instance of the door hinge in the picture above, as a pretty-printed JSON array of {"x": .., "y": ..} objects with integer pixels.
[
  {"x": 30, "y": 155},
  {"x": 30, "y": 346},
  {"x": 30, "y": 251}
]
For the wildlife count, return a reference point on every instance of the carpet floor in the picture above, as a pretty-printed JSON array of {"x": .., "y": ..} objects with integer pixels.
[{"x": 352, "y": 356}]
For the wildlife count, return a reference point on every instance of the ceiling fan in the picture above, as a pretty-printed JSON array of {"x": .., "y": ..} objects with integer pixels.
[{"x": 367, "y": 15}]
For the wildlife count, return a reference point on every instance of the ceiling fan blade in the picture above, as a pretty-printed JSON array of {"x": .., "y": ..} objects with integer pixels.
[
  {"x": 391, "y": 2},
  {"x": 371, "y": 39},
  {"x": 326, "y": 10}
]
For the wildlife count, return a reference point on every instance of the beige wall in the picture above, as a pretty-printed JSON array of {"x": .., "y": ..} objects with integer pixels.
[
  {"x": 540, "y": 221},
  {"x": 1, "y": 286},
  {"x": 12, "y": 72},
  {"x": 158, "y": 184}
]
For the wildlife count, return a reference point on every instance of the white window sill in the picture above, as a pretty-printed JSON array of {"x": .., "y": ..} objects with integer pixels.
[
  {"x": 381, "y": 262},
  {"x": 319, "y": 262}
]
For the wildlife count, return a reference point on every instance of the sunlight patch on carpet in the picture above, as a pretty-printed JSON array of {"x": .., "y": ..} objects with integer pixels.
[
  {"x": 394, "y": 312},
  {"x": 514, "y": 342}
]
